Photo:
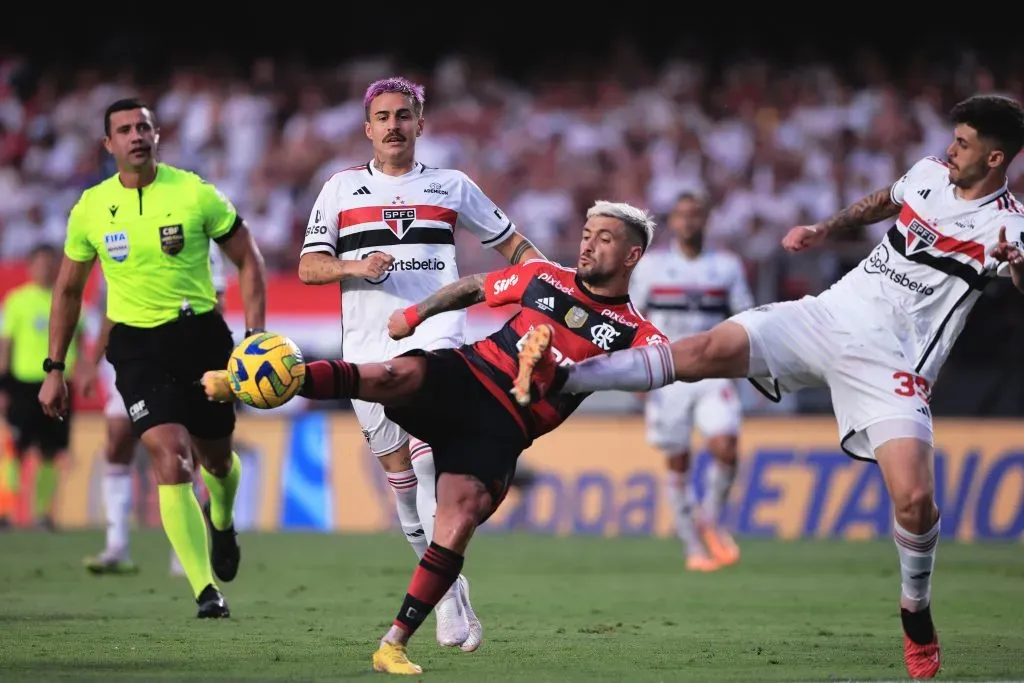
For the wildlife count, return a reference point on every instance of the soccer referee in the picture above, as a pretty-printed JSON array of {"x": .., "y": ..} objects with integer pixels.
[{"x": 150, "y": 226}]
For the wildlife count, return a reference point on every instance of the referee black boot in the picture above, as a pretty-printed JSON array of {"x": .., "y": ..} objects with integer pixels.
[
  {"x": 212, "y": 605},
  {"x": 224, "y": 552}
]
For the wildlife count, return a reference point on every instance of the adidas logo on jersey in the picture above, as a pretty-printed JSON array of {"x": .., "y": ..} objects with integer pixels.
[
  {"x": 924, "y": 193},
  {"x": 546, "y": 303},
  {"x": 362, "y": 190}
]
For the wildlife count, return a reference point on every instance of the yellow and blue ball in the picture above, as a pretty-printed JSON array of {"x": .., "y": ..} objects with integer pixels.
[{"x": 266, "y": 370}]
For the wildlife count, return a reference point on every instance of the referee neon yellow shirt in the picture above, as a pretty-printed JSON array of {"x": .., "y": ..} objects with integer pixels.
[{"x": 153, "y": 243}]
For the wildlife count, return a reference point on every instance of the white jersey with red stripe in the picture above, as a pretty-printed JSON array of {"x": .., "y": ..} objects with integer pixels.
[
  {"x": 683, "y": 296},
  {"x": 921, "y": 281},
  {"x": 412, "y": 217}
]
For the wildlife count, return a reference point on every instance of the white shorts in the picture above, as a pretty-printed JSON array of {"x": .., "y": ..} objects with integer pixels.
[
  {"x": 383, "y": 435},
  {"x": 711, "y": 405},
  {"x": 798, "y": 344}
]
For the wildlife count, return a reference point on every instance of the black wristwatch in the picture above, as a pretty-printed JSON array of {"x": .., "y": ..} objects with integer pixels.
[{"x": 49, "y": 365}]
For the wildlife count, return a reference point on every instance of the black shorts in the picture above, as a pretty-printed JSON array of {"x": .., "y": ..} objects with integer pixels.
[
  {"x": 30, "y": 426},
  {"x": 468, "y": 429},
  {"x": 158, "y": 371}
]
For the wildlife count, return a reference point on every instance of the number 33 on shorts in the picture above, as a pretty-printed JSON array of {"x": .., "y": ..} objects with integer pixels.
[{"x": 909, "y": 384}]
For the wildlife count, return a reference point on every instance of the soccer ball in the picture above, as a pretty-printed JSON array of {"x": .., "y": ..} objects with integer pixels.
[{"x": 266, "y": 370}]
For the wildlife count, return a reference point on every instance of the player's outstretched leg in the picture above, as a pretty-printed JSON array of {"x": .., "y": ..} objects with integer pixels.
[
  {"x": 462, "y": 501},
  {"x": 170, "y": 448},
  {"x": 907, "y": 467},
  {"x": 388, "y": 383},
  {"x": 723, "y": 351},
  {"x": 117, "y": 500}
]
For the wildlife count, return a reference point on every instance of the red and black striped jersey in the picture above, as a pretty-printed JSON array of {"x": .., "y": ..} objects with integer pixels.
[{"x": 585, "y": 324}]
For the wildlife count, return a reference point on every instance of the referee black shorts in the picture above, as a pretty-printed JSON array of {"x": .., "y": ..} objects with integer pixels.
[
  {"x": 30, "y": 426},
  {"x": 158, "y": 371}
]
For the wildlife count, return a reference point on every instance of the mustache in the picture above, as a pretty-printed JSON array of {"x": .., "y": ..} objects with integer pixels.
[{"x": 394, "y": 137}]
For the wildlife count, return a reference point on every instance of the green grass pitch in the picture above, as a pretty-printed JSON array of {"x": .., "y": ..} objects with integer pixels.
[{"x": 312, "y": 607}]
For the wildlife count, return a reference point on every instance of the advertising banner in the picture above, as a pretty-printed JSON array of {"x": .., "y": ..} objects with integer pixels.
[{"x": 594, "y": 475}]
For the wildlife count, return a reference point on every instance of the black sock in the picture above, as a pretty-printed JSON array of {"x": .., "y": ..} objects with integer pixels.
[
  {"x": 438, "y": 570},
  {"x": 918, "y": 625},
  {"x": 330, "y": 379}
]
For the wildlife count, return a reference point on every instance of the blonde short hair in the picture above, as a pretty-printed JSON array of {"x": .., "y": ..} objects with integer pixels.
[{"x": 636, "y": 219}]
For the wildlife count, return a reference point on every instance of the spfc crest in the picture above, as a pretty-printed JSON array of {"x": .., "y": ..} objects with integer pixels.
[
  {"x": 172, "y": 239},
  {"x": 399, "y": 220},
  {"x": 575, "y": 317},
  {"x": 919, "y": 236}
]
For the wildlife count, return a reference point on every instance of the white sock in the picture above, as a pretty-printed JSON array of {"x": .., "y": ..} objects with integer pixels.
[
  {"x": 917, "y": 560},
  {"x": 117, "y": 499},
  {"x": 422, "y": 457},
  {"x": 683, "y": 501},
  {"x": 717, "y": 485},
  {"x": 403, "y": 484},
  {"x": 640, "y": 369}
]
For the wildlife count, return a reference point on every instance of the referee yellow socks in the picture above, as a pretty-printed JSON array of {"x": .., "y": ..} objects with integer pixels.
[
  {"x": 186, "y": 530},
  {"x": 222, "y": 493}
]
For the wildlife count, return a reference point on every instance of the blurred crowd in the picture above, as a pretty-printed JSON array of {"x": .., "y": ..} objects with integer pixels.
[{"x": 772, "y": 146}]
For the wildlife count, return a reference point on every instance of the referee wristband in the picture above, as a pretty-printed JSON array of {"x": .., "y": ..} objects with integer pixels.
[{"x": 412, "y": 317}]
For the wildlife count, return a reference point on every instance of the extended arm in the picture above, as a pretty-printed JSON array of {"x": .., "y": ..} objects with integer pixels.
[
  {"x": 874, "y": 207},
  {"x": 462, "y": 293}
]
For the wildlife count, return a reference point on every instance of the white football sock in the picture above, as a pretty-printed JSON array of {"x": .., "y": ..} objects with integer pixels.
[
  {"x": 117, "y": 499},
  {"x": 640, "y": 369},
  {"x": 917, "y": 561},
  {"x": 683, "y": 502},
  {"x": 717, "y": 485},
  {"x": 422, "y": 457},
  {"x": 403, "y": 484}
]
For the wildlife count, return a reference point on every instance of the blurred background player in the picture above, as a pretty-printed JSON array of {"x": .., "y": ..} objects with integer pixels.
[
  {"x": 150, "y": 226},
  {"x": 386, "y": 231},
  {"x": 683, "y": 290},
  {"x": 23, "y": 341},
  {"x": 121, "y": 444}
]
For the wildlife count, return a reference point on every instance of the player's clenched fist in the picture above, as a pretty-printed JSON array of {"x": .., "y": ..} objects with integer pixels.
[
  {"x": 376, "y": 264},
  {"x": 803, "y": 237},
  {"x": 400, "y": 324}
]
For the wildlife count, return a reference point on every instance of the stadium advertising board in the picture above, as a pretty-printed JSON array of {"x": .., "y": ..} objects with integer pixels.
[{"x": 595, "y": 475}]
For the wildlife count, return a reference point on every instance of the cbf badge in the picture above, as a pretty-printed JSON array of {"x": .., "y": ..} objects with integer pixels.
[
  {"x": 575, "y": 317},
  {"x": 172, "y": 239},
  {"x": 116, "y": 244}
]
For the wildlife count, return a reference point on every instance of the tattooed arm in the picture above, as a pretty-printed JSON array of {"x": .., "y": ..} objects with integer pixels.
[
  {"x": 517, "y": 249},
  {"x": 874, "y": 207},
  {"x": 460, "y": 294}
]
